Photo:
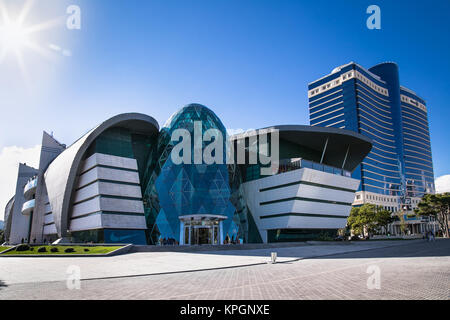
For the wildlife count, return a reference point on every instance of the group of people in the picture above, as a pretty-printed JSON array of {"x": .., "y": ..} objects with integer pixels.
[
  {"x": 232, "y": 240},
  {"x": 168, "y": 242},
  {"x": 174, "y": 242}
]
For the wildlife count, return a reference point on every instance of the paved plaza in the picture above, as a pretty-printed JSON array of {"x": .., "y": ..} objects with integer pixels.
[{"x": 412, "y": 269}]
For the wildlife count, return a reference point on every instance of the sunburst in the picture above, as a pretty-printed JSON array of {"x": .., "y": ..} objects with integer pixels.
[{"x": 16, "y": 35}]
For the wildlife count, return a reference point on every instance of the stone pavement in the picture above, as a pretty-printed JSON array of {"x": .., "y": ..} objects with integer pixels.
[
  {"x": 40, "y": 269},
  {"x": 408, "y": 270}
]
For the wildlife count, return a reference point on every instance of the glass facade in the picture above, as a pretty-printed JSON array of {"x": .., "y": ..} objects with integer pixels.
[
  {"x": 292, "y": 157},
  {"x": 370, "y": 102},
  {"x": 419, "y": 173},
  {"x": 122, "y": 142},
  {"x": 176, "y": 190},
  {"x": 248, "y": 232},
  {"x": 110, "y": 236},
  {"x": 95, "y": 236},
  {"x": 294, "y": 235},
  {"x": 124, "y": 236}
]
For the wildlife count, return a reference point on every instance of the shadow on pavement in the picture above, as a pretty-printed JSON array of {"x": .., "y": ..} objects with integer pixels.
[
  {"x": 422, "y": 249},
  {"x": 3, "y": 284},
  {"x": 416, "y": 248}
]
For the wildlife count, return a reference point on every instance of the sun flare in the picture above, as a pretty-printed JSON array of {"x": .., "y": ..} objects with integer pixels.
[
  {"x": 17, "y": 37},
  {"x": 13, "y": 36}
]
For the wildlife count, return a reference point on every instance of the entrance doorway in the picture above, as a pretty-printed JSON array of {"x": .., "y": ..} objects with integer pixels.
[
  {"x": 201, "y": 229},
  {"x": 201, "y": 235}
]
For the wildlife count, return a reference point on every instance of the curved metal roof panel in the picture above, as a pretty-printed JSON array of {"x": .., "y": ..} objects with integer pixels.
[{"x": 61, "y": 174}]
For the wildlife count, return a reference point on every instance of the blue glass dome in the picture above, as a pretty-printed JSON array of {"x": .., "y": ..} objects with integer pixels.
[{"x": 178, "y": 190}]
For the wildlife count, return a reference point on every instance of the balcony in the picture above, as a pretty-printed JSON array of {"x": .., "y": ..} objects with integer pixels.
[
  {"x": 299, "y": 163},
  {"x": 30, "y": 188},
  {"x": 28, "y": 207},
  {"x": 253, "y": 172}
]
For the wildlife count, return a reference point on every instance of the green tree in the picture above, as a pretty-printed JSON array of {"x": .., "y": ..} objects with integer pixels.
[
  {"x": 362, "y": 219},
  {"x": 368, "y": 218},
  {"x": 353, "y": 221},
  {"x": 403, "y": 224},
  {"x": 383, "y": 218},
  {"x": 438, "y": 207}
]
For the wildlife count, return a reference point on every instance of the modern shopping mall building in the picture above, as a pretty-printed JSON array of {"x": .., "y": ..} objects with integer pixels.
[{"x": 119, "y": 183}]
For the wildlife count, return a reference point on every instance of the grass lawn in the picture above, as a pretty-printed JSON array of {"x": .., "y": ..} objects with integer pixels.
[
  {"x": 3, "y": 248},
  {"x": 77, "y": 250}
]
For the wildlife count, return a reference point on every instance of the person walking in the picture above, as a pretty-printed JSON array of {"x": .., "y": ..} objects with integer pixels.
[{"x": 227, "y": 239}]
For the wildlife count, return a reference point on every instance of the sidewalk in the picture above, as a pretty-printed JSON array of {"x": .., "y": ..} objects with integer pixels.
[{"x": 20, "y": 270}]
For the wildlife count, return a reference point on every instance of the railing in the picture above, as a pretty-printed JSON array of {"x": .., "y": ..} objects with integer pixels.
[
  {"x": 28, "y": 207},
  {"x": 286, "y": 165},
  {"x": 29, "y": 187}
]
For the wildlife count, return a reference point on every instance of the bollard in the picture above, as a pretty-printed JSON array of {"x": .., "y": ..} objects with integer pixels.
[{"x": 273, "y": 257}]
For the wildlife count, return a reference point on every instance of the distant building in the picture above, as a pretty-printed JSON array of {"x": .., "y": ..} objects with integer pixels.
[{"x": 399, "y": 169}]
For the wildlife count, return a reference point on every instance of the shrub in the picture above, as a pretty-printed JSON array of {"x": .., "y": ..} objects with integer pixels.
[
  {"x": 54, "y": 249},
  {"x": 32, "y": 248},
  {"x": 323, "y": 236},
  {"x": 86, "y": 250},
  {"x": 42, "y": 249},
  {"x": 69, "y": 250},
  {"x": 23, "y": 247}
]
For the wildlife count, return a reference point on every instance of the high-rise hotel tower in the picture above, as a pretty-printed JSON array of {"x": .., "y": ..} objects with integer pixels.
[{"x": 399, "y": 169}]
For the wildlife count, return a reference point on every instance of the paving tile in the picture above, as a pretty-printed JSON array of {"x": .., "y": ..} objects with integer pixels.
[{"x": 418, "y": 270}]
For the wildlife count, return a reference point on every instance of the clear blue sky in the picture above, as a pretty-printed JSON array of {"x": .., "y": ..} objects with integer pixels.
[{"x": 249, "y": 60}]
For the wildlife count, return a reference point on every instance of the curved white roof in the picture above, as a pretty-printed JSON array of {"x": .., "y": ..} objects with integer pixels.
[{"x": 61, "y": 173}]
